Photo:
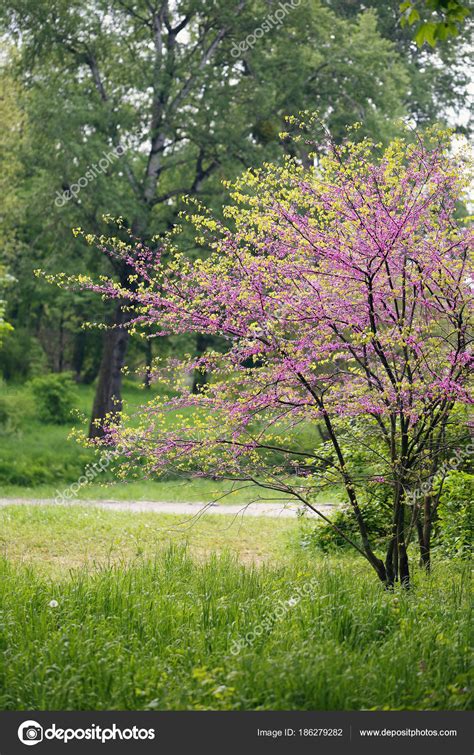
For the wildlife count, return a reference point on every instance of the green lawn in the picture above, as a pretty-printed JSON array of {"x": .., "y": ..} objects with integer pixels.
[
  {"x": 54, "y": 539},
  {"x": 157, "y": 611},
  {"x": 40, "y": 460},
  {"x": 140, "y": 621},
  {"x": 191, "y": 490},
  {"x": 35, "y": 455}
]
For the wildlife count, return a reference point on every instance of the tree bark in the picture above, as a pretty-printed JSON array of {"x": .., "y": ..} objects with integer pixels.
[
  {"x": 61, "y": 344},
  {"x": 396, "y": 561},
  {"x": 78, "y": 354},
  {"x": 403, "y": 565},
  {"x": 390, "y": 568},
  {"x": 425, "y": 531},
  {"x": 148, "y": 363},
  {"x": 199, "y": 377},
  {"x": 108, "y": 397}
]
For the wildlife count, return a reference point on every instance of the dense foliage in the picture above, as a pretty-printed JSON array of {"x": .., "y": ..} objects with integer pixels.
[
  {"x": 163, "y": 98},
  {"x": 441, "y": 18},
  {"x": 456, "y": 514},
  {"x": 55, "y": 398}
]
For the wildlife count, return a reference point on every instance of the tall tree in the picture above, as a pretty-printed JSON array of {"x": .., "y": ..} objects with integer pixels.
[
  {"x": 440, "y": 78},
  {"x": 12, "y": 134}
]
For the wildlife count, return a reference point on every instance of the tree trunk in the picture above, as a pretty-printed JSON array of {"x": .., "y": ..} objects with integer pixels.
[
  {"x": 389, "y": 561},
  {"x": 396, "y": 562},
  {"x": 108, "y": 397},
  {"x": 419, "y": 531},
  {"x": 199, "y": 377},
  {"x": 61, "y": 344},
  {"x": 78, "y": 354},
  {"x": 403, "y": 565},
  {"x": 148, "y": 363},
  {"x": 391, "y": 558},
  {"x": 425, "y": 540}
]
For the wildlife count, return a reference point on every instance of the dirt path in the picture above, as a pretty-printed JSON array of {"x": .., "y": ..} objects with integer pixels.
[{"x": 280, "y": 509}]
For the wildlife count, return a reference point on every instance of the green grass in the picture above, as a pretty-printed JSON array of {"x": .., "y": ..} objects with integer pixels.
[
  {"x": 55, "y": 539},
  {"x": 144, "y": 622},
  {"x": 37, "y": 455},
  {"x": 38, "y": 460}
]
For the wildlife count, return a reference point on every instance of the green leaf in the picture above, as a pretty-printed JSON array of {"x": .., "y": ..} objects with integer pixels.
[
  {"x": 452, "y": 30},
  {"x": 442, "y": 32},
  {"x": 459, "y": 14},
  {"x": 413, "y": 17},
  {"x": 426, "y": 33}
]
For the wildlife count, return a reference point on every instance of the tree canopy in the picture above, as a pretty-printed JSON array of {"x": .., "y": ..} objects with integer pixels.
[{"x": 126, "y": 106}]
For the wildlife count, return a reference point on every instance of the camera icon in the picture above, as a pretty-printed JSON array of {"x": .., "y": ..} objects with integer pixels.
[{"x": 30, "y": 733}]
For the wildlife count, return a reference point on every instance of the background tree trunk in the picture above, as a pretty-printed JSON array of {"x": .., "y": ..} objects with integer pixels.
[
  {"x": 403, "y": 565},
  {"x": 148, "y": 363},
  {"x": 199, "y": 377},
  {"x": 108, "y": 397}
]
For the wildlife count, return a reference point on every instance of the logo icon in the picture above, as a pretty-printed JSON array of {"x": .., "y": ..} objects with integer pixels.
[{"x": 30, "y": 733}]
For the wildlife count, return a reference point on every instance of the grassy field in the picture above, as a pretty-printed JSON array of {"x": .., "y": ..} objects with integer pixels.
[
  {"x": 39, "y": 460},
  {"x": 147, "y": 490},
  {"x": 109, "y": 610},
  {"x": 54, "y": 539},
  {"x": 144, "y": 621}
]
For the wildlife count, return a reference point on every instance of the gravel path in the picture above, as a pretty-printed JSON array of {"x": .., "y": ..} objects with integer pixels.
[{"x": 280, "y": 509}]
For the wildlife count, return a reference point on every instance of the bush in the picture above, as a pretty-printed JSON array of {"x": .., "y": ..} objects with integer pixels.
[
  {"x": 324, "y": 537},
  {"x": 456, "y": 515},
  {"x": 43, "y": 469},
  {"x": 9, "y": 416},
  {"x": 55, "y": 397},
  {"x": 376, "y": 509}
]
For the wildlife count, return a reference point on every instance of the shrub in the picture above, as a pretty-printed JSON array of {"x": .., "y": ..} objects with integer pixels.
[
  {"x": 43, "y": 469},
  {"x": 9, "y": 416},
  {"x": 55, "y": 397},
  {"x": 455, "y": 514},
  {"x": 324, "y": 537}
]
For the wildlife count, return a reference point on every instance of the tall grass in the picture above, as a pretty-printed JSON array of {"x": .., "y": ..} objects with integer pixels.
[{"x": 159, "y": 635}]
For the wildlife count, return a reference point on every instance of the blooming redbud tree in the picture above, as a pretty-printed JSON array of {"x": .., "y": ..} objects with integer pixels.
[{"x": 343, "y": 295}]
